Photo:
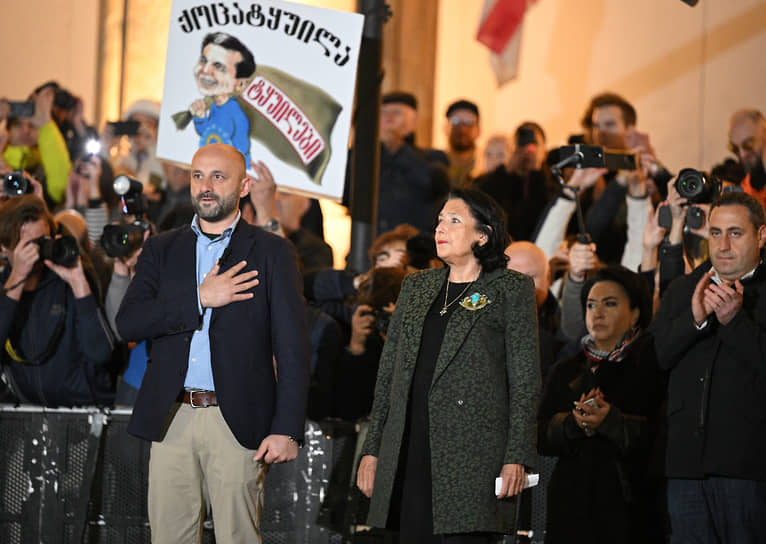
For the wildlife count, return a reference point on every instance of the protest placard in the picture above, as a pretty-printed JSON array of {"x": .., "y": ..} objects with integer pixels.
[{"x": 274, "y": 79}]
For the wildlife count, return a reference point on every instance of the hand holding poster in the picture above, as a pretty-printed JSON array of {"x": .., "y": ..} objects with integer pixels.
[{"x": 271, "y": 78}]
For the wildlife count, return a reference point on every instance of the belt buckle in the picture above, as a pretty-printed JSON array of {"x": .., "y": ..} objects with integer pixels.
[{"x": 191, "y": 399}]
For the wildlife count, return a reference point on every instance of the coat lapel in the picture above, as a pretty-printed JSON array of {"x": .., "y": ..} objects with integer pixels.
[
  {"x": 461, "y": 322},
  {"x": 184, "y": 258},
  {"x": 242, "y": 240}
]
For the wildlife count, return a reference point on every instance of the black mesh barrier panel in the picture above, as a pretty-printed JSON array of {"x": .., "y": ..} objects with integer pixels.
[
  {"x": 47, "y": 464},
  {"x": 296, "y": 492},
  {"x": 117, "y": 511},
  {"x": 545, "y": 467},
  {"x": 74, "y": 476}
]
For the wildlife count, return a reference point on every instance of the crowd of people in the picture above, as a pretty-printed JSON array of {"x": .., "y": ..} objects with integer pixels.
[{"x": 607, "y": 316}]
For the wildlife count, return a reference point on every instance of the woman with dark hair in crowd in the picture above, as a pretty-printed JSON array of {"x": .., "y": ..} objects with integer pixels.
[
  {"x": 599, "y": 415},
  {"x": 456, "y": 390}
]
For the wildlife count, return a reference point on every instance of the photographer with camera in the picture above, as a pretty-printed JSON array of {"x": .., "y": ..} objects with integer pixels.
[
  {"x": 90, "y": 191},
  {"x": 131, "y": 144},
  {"x": 522, "y": 187},
  {"x": 57, "y": 344},
  {"x": 35, "y": 143},
  {"x": 358, "y": 367},
  {"x": 615, "y": 200}
]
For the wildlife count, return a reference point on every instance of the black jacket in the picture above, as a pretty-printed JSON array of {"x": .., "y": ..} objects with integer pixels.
[
  {"x": 65, "y": 343},
  {"x": 717, "y": 383},
  {"x": 522, "y": 198},
  {"x": 161, "y": 305},
  {"x": 605, "y": 487}
]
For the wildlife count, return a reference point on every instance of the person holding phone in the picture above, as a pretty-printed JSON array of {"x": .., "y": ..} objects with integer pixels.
[
  {"x": 139, "y": 125},
  {"x": 35, "y": 143},
  {"x": 599, "y": 415}
]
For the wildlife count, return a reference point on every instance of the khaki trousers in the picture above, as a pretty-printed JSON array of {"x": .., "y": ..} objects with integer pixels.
[{"x": 199, "y": 456}]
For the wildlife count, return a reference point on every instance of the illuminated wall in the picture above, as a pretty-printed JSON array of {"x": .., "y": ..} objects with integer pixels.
[{"x": 685, "y": 69}]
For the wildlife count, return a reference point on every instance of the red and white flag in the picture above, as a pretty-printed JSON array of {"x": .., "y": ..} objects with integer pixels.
[{"x": 500, "y": 31}]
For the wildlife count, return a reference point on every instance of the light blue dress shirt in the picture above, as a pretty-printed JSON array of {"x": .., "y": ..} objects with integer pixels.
[{"x": 199, "y": 375}]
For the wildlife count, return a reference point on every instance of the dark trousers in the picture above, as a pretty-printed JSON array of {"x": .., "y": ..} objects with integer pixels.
[{"x": 717, "y": 510}]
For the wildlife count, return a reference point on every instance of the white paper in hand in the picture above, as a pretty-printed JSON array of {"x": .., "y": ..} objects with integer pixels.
[{"x": 530, "y": 480}]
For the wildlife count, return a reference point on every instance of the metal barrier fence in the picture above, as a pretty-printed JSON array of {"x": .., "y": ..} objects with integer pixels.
[{"x": 75, "y": 476}]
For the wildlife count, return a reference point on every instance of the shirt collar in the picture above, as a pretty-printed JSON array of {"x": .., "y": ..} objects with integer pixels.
[
  {"x": 226, "y": 232},
  {"x": 715, "y": 278}
]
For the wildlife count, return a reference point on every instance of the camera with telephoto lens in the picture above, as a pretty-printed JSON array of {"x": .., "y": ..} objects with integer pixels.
[
  {"x": 62, "y": 251},
  {"x": 122, "y": 240},
  {"x": 15, "y": 184},
  {"x": 697, "y": 187}
]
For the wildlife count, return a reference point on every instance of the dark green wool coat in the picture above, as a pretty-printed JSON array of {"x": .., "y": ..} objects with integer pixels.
[{"x": 482, "y": 403}]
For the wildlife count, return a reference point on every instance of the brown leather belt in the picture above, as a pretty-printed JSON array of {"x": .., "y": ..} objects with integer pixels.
[{"x": 198, "y": 398}]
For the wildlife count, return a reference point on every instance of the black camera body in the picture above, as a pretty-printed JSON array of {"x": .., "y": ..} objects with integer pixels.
[
  {"x": 16, "y": 184},
  {"x": 382, "y": 319},
  {"x": 62, "y": 251},
  {"x": 122, "y": 240},
  {"x": 697, "y": 187},
  {"x": 131, "y": 195}
]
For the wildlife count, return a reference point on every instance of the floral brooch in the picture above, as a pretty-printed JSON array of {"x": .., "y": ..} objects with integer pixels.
[{"x": 475, "y": 301}]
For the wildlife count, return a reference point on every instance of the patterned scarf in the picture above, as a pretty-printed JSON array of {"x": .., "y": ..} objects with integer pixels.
[{"x": 596, "y": 356}]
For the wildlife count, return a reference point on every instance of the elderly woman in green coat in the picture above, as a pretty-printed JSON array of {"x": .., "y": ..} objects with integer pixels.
[{"x": 457, "y": 389}]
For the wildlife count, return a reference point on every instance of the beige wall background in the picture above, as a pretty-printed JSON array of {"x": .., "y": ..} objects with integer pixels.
[
  {"x": 684, "y": 69},
  {"x": 42, "y": 40}
]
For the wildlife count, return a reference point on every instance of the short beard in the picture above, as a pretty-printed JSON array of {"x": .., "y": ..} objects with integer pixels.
[
  {"x": 224, "y": 206},
  {"x": 460, "y": 146}
]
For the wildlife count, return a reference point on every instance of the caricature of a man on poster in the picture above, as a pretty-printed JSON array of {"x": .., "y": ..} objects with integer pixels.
[
  {"x": 274, "y": 79},
  {"x": 224, "y": 67}
]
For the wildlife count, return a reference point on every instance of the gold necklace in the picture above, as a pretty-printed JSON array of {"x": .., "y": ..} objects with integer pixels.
[{"x": 446, "y": 292}]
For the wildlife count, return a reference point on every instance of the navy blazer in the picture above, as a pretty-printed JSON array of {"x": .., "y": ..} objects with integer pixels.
[{"x": 161, "y": 305}]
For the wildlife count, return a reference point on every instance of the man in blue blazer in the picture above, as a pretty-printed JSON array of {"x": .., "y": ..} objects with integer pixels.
[{"x": 224, "y": 394}]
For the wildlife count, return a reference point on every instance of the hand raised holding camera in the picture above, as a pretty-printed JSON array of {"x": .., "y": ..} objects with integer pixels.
[
  {"x": 43, "y": 105},
  {"x": 362, "y": 323},
  {"x": 582, "y": 257},
  {"x": 582, "y": 178},
  {"x": 73, "y": 275},
  {"x": 22, "y": 259}
]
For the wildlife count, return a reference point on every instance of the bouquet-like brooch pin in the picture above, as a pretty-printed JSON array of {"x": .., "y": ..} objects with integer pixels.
[{"x": 475, "y": 301}]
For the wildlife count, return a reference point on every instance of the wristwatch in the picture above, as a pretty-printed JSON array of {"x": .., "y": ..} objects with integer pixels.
[{"x": 298, "y": 441}]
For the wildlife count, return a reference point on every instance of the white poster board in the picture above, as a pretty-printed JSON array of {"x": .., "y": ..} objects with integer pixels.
[{"x": 274, "y": 79}]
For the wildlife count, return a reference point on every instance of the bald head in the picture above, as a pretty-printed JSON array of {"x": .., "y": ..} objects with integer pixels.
[
  {"x": 226, "y": 153},
  {"x": 527, "y": 258},
  {"x": 747, "y": 138}
]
